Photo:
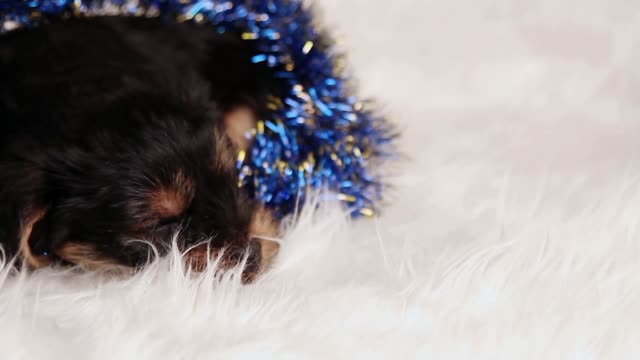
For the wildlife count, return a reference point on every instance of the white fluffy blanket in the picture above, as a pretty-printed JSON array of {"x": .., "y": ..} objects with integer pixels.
[{"x": 512, "y": 232}]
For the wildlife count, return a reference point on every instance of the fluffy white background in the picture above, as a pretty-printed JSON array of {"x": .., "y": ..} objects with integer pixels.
[{"x": 512, "y": 231}]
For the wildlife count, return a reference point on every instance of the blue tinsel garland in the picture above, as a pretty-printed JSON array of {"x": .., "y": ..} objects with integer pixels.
[{"x": 319, "y": 134}]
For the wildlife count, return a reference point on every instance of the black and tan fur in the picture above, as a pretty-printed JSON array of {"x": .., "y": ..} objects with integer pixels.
[{"x": 116, "y": 129}]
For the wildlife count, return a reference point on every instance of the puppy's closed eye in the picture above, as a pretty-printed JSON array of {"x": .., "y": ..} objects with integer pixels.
[{"x": 168, "y": 221}]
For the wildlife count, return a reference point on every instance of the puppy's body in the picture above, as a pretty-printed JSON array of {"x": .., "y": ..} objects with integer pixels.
[{"x": 113, "y": 130}]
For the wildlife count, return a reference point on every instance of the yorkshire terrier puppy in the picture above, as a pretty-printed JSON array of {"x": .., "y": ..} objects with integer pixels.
[{"x": 116, "y": 133}]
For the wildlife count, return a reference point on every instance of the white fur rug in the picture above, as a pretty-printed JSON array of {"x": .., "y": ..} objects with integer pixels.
[{"x": 513, "y": 230}]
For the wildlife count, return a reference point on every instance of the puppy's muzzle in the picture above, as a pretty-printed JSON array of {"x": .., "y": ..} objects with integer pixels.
[{"x": 257, "y": 256}]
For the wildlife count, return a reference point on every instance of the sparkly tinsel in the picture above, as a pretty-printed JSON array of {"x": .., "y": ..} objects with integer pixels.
[{"x": 317, "y": 135}]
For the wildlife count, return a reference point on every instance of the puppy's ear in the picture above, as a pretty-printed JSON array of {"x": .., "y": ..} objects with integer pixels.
[{"x": 238, "y": 121}]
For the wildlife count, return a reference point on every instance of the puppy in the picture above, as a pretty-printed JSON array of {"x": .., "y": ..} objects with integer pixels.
[{"x": 116, "y": 133}]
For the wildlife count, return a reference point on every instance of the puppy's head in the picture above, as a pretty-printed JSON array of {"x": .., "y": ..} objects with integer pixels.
[{"x": 141, "y": 170}]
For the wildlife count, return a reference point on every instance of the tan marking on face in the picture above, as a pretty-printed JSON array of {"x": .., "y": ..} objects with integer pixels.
[
  {"x": 264, "y": 227},
  {"x": 237, "y": 123},
  {"x": 34, "y": 261},
  {"x": 172, "y": 200},
  {"x": 87, "y": 257}
]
